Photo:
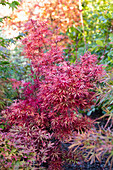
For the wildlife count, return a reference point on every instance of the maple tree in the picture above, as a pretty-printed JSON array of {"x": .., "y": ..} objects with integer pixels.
[
  {"x": 50, "y": 103},
  {"x": 60, "y": 15}
]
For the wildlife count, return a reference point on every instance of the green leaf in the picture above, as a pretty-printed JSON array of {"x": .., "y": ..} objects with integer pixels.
[
  {"x": 111, "y": 37},
  {"x": 110, "y": 54},
  {"x": 111, "y": 7},
  {"x": 4, "y": 62},
  {"x": 2, "y": 126},
  {"x": 14, "y": 4},
  {"x": 1, "y": 19},
  {"x": 99, "y": 42}
]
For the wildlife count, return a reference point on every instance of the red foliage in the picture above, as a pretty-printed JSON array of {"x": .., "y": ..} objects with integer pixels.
[
  {"x": 52, "y": 101},
  {"x": 13, "y": 150},
  {"x": 66, "y": 89},
  {"x": 41, "y": 46}
]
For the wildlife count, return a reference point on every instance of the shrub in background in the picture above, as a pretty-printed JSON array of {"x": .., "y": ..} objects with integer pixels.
[
  {"x": 95, "y": 145},
  {"x": 7, "y": 67},
  {"x": 96, "y": 38},
  {"x": 105, "y": 98}
]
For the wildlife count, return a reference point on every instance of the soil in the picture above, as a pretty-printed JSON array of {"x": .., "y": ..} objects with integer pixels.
[{"x": 88, "y": 166}]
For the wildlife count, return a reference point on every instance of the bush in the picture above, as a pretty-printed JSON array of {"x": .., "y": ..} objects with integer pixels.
[
  {"x": 49, "y": 112},
  {"x": 95, "y": 145}
]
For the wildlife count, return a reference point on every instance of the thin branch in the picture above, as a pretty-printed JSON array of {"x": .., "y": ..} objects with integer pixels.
[{"x": 81, "y": 17}]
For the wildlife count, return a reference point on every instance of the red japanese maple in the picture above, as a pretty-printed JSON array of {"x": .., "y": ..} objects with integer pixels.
[{"x": 52, "y": 101}]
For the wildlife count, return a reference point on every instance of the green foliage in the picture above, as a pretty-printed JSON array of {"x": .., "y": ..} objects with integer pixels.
[
  {"x": 13, "y": 66},
  {"x": 10, "y": 66},
  {"x": 20, "y": 65},
  {"x": 4, "y": 67},
  {"x": 97, "y": 30},
  {"x": 12, "y": 5},
  {"x": 77, "y": 47}
]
